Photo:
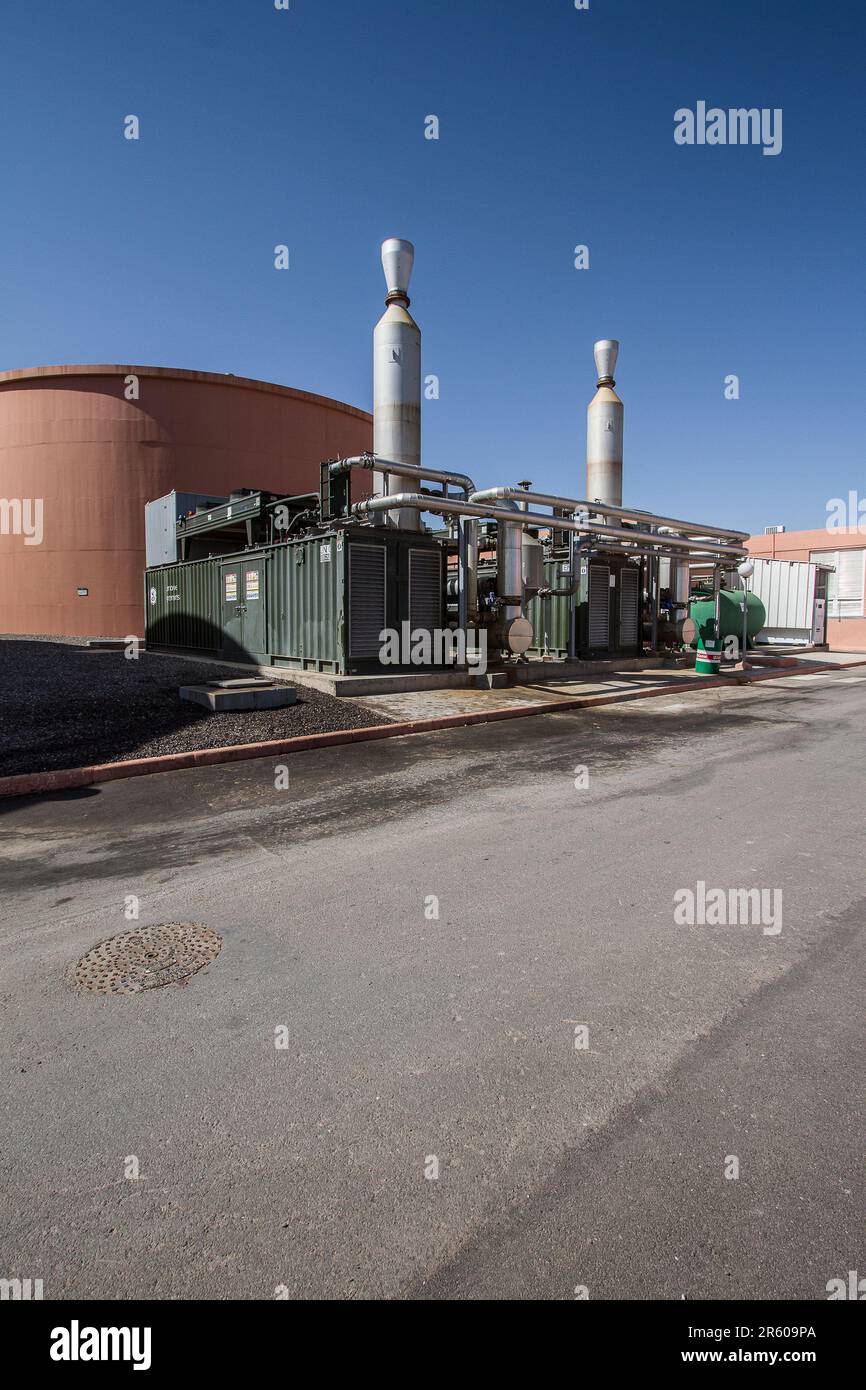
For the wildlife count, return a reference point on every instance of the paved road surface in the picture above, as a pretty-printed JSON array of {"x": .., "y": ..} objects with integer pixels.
[{"x": 411, "y": 1039}]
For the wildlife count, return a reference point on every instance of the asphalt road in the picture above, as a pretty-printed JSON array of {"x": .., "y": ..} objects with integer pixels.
[{"x": 409, "y": 1039}]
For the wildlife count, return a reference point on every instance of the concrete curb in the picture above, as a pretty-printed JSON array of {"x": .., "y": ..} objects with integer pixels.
[
  {"x": 28, "y": 783},
  {"x": 758, "y": 660}
]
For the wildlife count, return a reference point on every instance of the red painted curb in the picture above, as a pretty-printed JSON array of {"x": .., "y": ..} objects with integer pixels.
[
  {"x": 64, "y": 779},
  {"x": 758, "y": 661}
]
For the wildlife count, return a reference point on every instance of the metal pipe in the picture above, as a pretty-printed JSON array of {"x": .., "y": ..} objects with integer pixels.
[
  {"x": 574, "y": 544},
  {"x": 642, "y": 544},
  {"x": 455, "y": 508},
  {"x": 467, "y": 566},
  {"x": 544, "y": 499},
  {"x": 639, "y": 543},
  {"x": 745, "y": 621},
  {"x": 431, "y": 475},
  {"x": 695, "y": 553}
]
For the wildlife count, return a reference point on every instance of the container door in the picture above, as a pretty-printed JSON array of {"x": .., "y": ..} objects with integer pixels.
[
  {"x": 599, "y": 607},
  {"x": 253, "y": 572},
  {"x": 232, "y": 610},
  {"x": 628, "y": 608}
]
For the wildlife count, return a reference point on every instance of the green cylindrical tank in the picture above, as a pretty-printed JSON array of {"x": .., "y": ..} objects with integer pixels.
[{"x": 710, "y": 646}]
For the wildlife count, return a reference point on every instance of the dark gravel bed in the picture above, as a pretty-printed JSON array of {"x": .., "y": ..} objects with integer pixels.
[{"x": 62, "y": 705}]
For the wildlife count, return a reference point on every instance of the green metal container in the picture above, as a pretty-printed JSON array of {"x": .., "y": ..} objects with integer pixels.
[
  {"x": 549, "y": 616},
  {"x": 318, "y": 603},
  {"x": 711, "y": 646},
  {"x": 607, "y": 609}
]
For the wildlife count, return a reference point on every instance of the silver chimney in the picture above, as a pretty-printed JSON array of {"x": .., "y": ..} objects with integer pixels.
[
  {"x": 604, "y": 431},
  {"x": 397, "y": 382}
]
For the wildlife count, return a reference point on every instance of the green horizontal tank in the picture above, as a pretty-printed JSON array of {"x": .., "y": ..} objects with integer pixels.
[{"x": 710, "y": 646}]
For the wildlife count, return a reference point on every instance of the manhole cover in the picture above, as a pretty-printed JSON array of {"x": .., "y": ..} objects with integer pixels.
[{"x": 147, "y": 958}]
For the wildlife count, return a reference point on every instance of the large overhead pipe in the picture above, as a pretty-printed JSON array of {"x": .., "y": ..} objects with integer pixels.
[
  {"x": 576, "y": 504},
  {"x": 640, "y": 542},
  {"x": 397, "y": 381},
  {"x": 604, "y": 430},
  {"x": 411, "y": 472}
]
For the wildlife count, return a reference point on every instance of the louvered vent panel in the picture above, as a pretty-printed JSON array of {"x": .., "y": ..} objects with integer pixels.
[
  {"x": 599, "y": 605},
  {"x": 425, "y": 589},
  {"x": 628, "y": 608},
  {"x": 366, "y": 599}
]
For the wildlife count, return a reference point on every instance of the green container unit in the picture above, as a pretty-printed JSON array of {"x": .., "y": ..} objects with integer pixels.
[
  {"x": 549, "y": 616},
  {"x": 607, "y": 609},
  {"x": 305, "y": 589},
  {"x": 180, "y": 607},
  {"x": 710, "y": 646},
  {"x": 318, "y": 603},
  {"x": 609, "y": 606}
]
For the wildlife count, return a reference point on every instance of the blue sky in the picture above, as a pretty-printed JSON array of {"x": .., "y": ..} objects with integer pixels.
[{"x": 306, "y": 127}]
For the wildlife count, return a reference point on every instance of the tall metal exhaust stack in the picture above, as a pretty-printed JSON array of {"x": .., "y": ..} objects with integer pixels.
[
  {"x": 397, "y": 382},
  {"x": 604, "y": 431}
]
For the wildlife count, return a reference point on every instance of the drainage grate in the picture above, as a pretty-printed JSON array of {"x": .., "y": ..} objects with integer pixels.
[{"x": 147, "y": 958}]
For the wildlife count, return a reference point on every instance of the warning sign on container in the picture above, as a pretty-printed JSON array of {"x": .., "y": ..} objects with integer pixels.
[
  {"x": 231, "y": 587},
  {"x": 251, "y": 584}
]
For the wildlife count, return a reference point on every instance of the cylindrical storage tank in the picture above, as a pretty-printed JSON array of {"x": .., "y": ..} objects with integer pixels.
[
  {"x": 702, "y": 631},
  {"x": 604, "y": 430},
  {"x": 93, "y": 444},
  {"x": 516, "y": 629},
  {"x": 680, "y": 582},
  {"x": 533, "y": 564},
  {"x": 397, "y": 382}
]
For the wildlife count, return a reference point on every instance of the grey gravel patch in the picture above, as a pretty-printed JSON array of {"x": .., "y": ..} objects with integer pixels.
[
  {"x": 148, "y": 958},
  {"x": 63, "y": 705}
]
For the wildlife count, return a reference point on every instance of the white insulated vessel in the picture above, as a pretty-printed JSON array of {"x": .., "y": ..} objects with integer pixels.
[
  {"x": 397, "y": 383},
  {"x": 604, "y": 431}
]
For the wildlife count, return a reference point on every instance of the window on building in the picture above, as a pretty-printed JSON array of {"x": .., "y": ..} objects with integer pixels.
[{"x": 845, "y": 585}]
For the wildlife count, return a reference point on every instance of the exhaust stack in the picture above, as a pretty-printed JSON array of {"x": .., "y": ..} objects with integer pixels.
[
  {"x": 604, "y": 431},
  {"x": 397, "y": 382}
]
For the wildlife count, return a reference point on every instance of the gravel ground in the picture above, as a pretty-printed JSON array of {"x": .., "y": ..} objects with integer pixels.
[{"x": 62, "y": 705}]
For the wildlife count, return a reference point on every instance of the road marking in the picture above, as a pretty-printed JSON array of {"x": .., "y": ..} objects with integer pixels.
[{"x": 852, "y": 680}]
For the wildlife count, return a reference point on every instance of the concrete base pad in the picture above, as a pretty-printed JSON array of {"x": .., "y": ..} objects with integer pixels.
[
  {"x": 496, "y": 678},
  {"x": 517, "y": 673},
  {"x": 239, "y": 695}
]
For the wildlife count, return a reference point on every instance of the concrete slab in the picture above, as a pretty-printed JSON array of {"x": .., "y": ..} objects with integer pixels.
[
  {"x": 243, "y": 684},
  {"x": 239, "y": 695},
  {"x": 113, "y": 644},
  {"x": 433, "y": 704}
]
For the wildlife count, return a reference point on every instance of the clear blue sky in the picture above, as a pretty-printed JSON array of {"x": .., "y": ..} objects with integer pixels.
[{"x": 306, "y": 127}]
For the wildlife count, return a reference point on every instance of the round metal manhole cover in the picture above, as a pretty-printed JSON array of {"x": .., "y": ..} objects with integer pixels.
[{"x": 147, "y": 958}]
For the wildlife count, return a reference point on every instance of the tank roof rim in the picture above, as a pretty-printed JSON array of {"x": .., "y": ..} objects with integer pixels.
[{"x": 85, "y": 369}]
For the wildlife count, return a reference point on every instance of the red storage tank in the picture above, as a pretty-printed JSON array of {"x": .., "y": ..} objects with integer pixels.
[{"x": 70, "y": 439}]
